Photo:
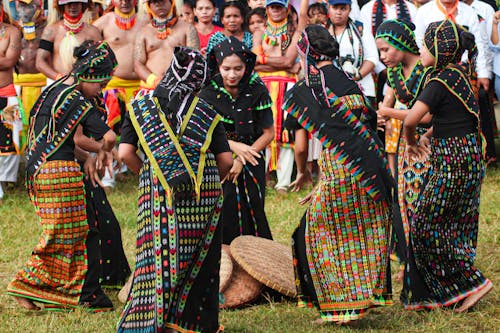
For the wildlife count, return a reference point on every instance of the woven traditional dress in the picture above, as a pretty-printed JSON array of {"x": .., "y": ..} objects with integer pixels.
[
  {"x": 410, "y": 174},
  {"x": 244, "y": 118},
  {"x": 341, "y": 245},
  {"x": 440, "y": 270},
  {"x": 176, "y": 278},
  {"x": 57, "y": 271}
]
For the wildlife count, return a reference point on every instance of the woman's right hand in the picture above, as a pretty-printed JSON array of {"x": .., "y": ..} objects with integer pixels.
[
  {"x": 300, "y": 180},
  {"x": 246, "y": 153}
]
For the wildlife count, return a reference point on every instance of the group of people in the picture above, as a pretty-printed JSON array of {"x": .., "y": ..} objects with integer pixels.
[{"x": 205, "y": 112}]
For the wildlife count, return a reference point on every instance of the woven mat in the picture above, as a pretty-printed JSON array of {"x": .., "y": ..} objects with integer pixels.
[
  {"x": 242, "y": 288},
  {"x": 226, "y": 268},
  {"x": 268, "y": 261}
]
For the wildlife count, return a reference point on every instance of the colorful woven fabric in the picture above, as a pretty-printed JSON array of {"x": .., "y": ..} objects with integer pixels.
[
  {"x": 278, "y": 83},
  {"x": 411, "y": 176},
  {"x": 56, "y": 270},
  {"x": 379, "y": 13},
  {"x": 341, "y": 246},
  {"x": 440, "y": 271},
  {"x": 176, "y": 279}
]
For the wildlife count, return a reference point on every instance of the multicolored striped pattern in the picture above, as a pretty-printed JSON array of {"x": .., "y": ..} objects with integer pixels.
[
  {"x": 56, "y": 270},
  {"x": 347, "y": 235}
]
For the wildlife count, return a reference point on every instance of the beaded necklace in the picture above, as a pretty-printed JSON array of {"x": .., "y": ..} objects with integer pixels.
[
  {"x": 74, "y": 25},
  {"x": 163, "y": 26},
  {"x": 276, "y": 32},
  {"x": 125, "y": 21}
]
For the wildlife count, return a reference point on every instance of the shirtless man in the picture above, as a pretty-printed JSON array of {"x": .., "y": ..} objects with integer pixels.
[
  {"x": 10, "y": 50},
  {"x": 119, "y": 28},
  {"x": 55, "y": 54},
  {"x": 277, "y": 66},
  {"x": 154, "y": 46},
  {"x": 28, "y": 80}
]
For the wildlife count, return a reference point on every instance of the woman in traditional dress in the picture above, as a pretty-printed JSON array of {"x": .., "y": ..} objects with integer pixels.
[
  {"x": 440, "y": 270},
  {"x": 405, "y": 76},
  {"x": 175, "y": 284},
  {"x": 341, "y": 245},
  {"x": 241, "y": 98},
  {"x": 233, "y": 15},
  {"x": 57, "y": 273}
]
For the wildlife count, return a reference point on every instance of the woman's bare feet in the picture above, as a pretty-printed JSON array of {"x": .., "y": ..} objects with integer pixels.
[
  {"x": 26, "y": 303},
  {"x": 401, "y": 274},
  {"x": 318, "y": 321},
  {"x": 471, "y": 300}
]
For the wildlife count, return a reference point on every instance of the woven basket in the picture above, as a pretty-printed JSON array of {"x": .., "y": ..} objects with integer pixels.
[
  {"x": 226, "y": 268},
  {"x": 242, "y": 288},
  {"x": 123, "y": 294},
  {"x": 269, "y": 262}
]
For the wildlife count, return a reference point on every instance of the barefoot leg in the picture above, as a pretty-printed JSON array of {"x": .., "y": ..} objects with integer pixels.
[
  {"x": 471, "y": 300},
  {"x": 26, "y": 303}
]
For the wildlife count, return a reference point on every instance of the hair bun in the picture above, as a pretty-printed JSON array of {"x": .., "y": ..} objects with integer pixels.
[
  {"x": 467, "y": 40},
  {"x": 82, "y": 50}
]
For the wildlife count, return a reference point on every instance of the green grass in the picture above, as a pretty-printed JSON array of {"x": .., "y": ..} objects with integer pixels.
[{"x": 19, "y": 231}]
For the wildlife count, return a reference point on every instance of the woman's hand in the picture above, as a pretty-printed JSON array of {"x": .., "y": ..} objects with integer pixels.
[
  {"x": 245, "y": 152},
  {"x": 417, "y": 152},
  {"x": 301, "y": 179},
  {"x": 104, "y": 161},
  {"x": 309, "y": 196},
  {"x": 90, "y": 170},
  {"x": 235, "y": 171}
]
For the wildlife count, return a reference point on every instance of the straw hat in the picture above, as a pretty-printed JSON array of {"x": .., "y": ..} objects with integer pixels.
[
  {"x": 226, "y": 268},
  {"x": 242, "y": 288},
  {"x": 270, "y": 262},
  {"x": 123, "y": 294}
]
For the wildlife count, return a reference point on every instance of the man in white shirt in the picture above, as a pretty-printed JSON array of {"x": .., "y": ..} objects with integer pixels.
[{"x": 466, "y": 16}]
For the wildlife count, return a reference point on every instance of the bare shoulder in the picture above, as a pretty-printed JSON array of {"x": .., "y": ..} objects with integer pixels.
[
  {"x": 103, "y": 21},
  {"x": 50, "y": 31},
  {"x": 92, "y": 32},
  {"x": 13, "y": 31},
  {"x": 183, "y": 26}
]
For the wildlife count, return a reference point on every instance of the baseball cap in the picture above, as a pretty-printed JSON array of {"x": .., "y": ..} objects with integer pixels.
[
  {"x": 339, "y": 2},
  {"x": 283, "y": 3}
]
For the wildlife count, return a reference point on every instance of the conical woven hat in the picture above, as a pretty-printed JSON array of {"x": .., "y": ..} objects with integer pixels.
[
  {"x": 270, "y": 262},
  {"x": 226, "y": 268},
  {"x": 242, "y": 289}
]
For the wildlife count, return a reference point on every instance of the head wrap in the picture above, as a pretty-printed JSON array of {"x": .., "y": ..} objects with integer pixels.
[
  {"x": 186, "y": 75},
  {"x": 95, "y": 62},
  {"x": 398, "y": 34},
  {"x": 442, "y": 39},
  {"x": 313, "y": 76},
  {"x": 229, "y": 47}
]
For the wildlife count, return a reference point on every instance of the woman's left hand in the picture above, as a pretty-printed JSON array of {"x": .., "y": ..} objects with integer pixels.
[
  {"x": 235, "y": 171},
  {"x": 90, "y": 170}
]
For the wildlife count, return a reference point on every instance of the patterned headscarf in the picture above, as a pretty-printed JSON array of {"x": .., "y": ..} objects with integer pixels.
[
  {"x": 95, "y": 62},
  {"x": 186, "y": 75},
  {"x": 398, "y": 34},
  {"x": 313, "y": 76},
  {"x": 229, "y": 47},
  {"x": 442, "y": 39}
]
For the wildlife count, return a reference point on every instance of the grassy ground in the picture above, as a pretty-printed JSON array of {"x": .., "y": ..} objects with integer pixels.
[{"x": 19, "y": 230}]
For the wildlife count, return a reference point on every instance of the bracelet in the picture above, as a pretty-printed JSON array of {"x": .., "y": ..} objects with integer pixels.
[{"x": 151, "y": 80}]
